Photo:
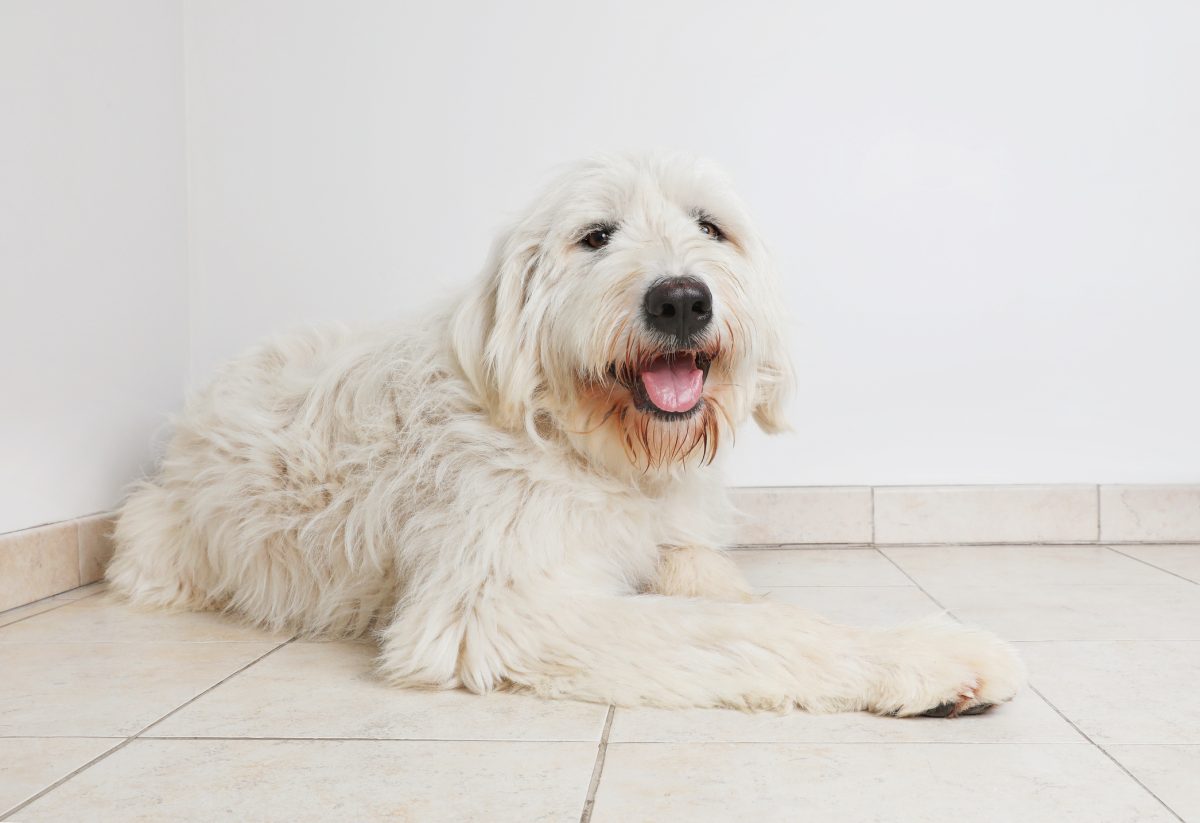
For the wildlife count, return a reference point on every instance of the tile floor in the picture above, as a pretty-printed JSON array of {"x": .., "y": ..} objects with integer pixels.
[{"x": 112, "y": 714}]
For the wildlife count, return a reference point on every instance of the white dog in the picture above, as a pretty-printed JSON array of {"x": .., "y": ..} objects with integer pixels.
[{"x": 523, "y": 491}]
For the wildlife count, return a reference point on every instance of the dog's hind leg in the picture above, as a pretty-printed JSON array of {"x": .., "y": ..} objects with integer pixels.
[{"x": 160, "y": 560}]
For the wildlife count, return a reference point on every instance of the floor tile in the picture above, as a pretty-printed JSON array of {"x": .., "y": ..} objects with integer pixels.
[
  {"x": 985, "y": 514},
  {"x": 934, "y": 783},
  {"x": 1027, "y": 719},
  {"x": 818, "y": 567},
  {"x": 1171, "y": 772},
  {"x": 1182, "y": 560},
  {"x": 30, "y": 764},
  {"x": 329, "y": 690},
  {"x": 107, "y": 689},
  {"x": 938, "y": 567},
  {"x": 1170, "y": 612},
  {"x": 102, "y": 619},
  {"x": 1121, "y": 692},
  {"x": 48, "y": 603},
  {"x": 859, "y": 605},
  {"x": 286, "y": 780}
]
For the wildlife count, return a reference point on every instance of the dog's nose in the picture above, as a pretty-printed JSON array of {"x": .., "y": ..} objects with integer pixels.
[{"x": 679, "y": 306}]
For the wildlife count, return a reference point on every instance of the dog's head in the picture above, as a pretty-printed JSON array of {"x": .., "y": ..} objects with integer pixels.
[{"x": 633, "y": 311}]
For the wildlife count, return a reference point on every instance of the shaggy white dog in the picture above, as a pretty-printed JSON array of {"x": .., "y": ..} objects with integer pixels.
[{"x": 523, "y": 492}]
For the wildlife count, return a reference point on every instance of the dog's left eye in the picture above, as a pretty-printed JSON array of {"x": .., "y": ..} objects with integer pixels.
[{"x": 711, "y": 229}]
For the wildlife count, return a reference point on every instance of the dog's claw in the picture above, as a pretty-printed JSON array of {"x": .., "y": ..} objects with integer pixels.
[
  {"x": 980, "y": 709},
  {"x": 951, "y": 709},
  {"x": 940, "y": 710}
]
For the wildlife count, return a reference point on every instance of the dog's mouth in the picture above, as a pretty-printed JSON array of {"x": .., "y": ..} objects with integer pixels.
[{"x": 671, "y": 385}]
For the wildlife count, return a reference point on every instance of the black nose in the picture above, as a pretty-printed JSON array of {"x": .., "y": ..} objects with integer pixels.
[{"x": 680, "y": 307}]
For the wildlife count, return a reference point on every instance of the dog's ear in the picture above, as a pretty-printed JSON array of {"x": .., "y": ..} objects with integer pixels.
[
  {"x": 490, "y": 337},
  {"x": 775, "y": 378}
]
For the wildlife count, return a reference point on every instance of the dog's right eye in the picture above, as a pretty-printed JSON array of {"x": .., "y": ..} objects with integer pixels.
[{"x": 597, "y": 238}]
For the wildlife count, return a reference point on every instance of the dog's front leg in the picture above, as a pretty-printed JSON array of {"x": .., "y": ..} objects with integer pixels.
[
  {"x": 669, "y": 651},
  {"x": 695, "y": 571},
  {"x": 692, "y": 652}
]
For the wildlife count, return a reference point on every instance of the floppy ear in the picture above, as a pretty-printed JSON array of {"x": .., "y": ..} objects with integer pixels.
[
  {"x": 775, "y": 378},
  {"x": 488, "y": 333}
]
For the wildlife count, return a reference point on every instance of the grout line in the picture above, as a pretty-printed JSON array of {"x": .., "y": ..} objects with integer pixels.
[
  {"x": 813, "y": 742},
  {"x": 8, "y": 815},
  {"x": 774, "y": 586},
  {"x": 1099, "y": 519},
  {"x": 78, "y": 553},
  {"x": 937, "y": 602},
  {"x": 589, "y": 801},
  {"x": 1151, "y": 565},
  {"x": 1104, "y": 752},
  {"x": 52, "y": 608},
  {"x": 877, "y": 743},
  {"x": 957, "y": 543},
  {"x": 872, "y": 515}
]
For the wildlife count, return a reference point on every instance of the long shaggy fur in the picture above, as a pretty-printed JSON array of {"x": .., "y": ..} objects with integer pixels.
[{"x": 485, "y": 491}]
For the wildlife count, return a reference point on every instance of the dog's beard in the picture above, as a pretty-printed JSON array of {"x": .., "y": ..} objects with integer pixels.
[{"x": 663, "y": 406}]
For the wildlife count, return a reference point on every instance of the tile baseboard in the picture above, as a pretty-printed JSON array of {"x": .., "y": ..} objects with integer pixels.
[
  {"x": 1142, "y": 514},
  {"x": 807, "y": 514},
  {"x": 48, "y": 560},
  {"x": 915, "y": 515}
]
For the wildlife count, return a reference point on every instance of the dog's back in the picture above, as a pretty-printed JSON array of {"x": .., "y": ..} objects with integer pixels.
[{"x": 264, "y": 504}]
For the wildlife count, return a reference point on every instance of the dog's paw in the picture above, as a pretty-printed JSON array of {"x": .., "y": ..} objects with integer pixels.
[{"x": 938, "y": 668}]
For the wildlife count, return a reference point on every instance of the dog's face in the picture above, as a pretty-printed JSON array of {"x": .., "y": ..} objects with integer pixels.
[{"x": 632, "y": 311}]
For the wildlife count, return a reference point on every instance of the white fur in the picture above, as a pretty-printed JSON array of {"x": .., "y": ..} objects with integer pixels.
[{"x": 476, "y": 487}]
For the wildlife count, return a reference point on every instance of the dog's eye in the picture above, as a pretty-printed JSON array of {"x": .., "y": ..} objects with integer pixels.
[
  {"x": 711, "y": 230},
  {"x": 597, "y": 238}
]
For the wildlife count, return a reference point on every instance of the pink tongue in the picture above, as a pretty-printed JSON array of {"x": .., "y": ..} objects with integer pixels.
[{"x": 674, "y": 386}]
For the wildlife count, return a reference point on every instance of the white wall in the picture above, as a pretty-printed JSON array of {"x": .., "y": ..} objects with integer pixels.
[
  {"x": 93, "y": 314},
  {"x": 987, "y": 214},
  {"x": 987, "y": 218}
]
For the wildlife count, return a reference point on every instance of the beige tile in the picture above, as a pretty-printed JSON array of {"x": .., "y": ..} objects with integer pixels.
[
  {"x": 839, "y": 514},
  {"x": 1182, "y": 560},
  {"x": 859, "y": 605},
  {"x": 330, "y": 690},
  {"x": 934, "y": 783},
  {"x": 95, "y": 546},
  {"x": 37, "y": 563},
  {"x": 103, "y": 619},
  {"x": 1171, "y": 772},
  {"x": 48, "y": 603},
  {"x": 1170, "y": 612},
  {"x": 287, "y": 780},
  {"x": 1131, "y": 692},
  {"x": 985, "y": 514},
  {"x": 30, "y": 764},
  {"x": 939, "y": 567},
  {"x": 1150, "y": 513},
  {"x": 107, "y": 689},
  {"x": 817, "y": 567},
  {"x": 1027, "y": 719}
]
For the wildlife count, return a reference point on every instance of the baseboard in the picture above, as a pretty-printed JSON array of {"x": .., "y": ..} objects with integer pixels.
[
  {"x": 49, "y": 560},
  {"x": 899, "y": 515}
]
